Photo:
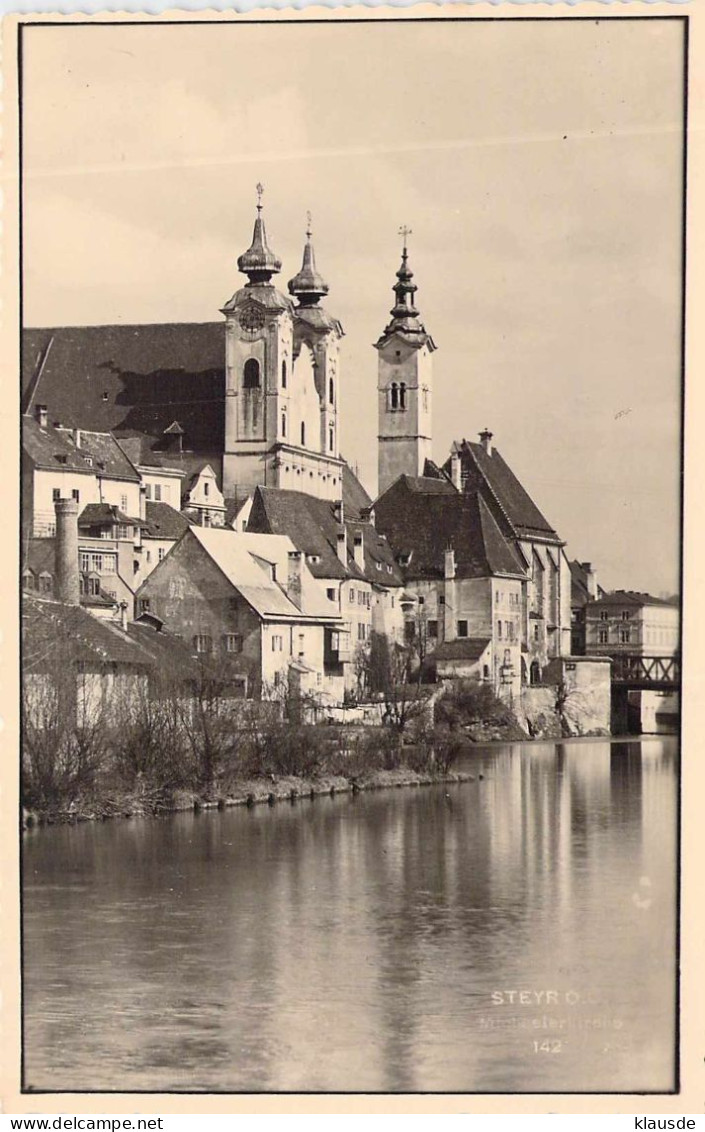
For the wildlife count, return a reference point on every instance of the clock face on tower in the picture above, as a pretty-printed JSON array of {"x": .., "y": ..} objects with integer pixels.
[{"x": 251, "y": 319}]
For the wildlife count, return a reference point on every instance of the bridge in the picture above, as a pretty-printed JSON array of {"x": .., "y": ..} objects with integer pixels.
[{"x": 646, "y": 673}]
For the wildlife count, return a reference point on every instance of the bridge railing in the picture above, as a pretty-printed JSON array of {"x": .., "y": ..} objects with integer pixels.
[{"x": 627, "y": 669}]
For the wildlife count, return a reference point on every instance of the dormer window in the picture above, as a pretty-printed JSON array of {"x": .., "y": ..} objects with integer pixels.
[{"x": 88, "y": 460}]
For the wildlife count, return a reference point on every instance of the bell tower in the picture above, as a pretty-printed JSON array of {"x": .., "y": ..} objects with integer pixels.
[
  {"x": 258, "y": 355},
  {"x": 404, "y": 383}
]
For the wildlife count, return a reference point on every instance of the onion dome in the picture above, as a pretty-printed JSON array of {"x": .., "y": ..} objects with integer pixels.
[
  {"x": 405, "y": 316},
  {"x": 259, "y": 262},
  {"x": 308, "y": 286}
]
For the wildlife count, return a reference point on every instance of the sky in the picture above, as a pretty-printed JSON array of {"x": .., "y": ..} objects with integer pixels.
[{"x": 537, "y": 162}]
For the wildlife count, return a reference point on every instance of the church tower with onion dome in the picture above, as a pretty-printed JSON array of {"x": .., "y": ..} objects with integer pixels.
[
  {"x": 281, "y": 425},
  {"x": 404, "y": 384}
]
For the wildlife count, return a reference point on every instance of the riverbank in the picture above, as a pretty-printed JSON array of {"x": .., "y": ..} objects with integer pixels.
[{"x": 241, "y": 792}]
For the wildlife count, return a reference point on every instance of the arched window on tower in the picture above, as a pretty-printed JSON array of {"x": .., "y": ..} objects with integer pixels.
[
  {"x": 283, "y": 424},
  {"x": 251, "y": 374},
  {"x": 283, "y": 375},
  {"x": 331, "y": 391},
  {"x": 393, "y": 396},
  {"x": 402, "y": 396},
  {"x": 330, "y": 439},
  {"x": 303, "y": 434}
]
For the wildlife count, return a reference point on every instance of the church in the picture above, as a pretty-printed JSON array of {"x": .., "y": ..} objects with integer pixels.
[{"x": 217, "y": 412}]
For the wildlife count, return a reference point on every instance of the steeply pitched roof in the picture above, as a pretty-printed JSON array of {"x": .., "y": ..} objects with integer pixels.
[
  {"x": 51, "y": 448},
  {"x": 504, "y": 489},
  {"x": 52, "y": 631},
  {"x": 355, "y": 498},
  {"x": 421, "y": 524},
  {"x": 164, "y": 522},
  {"x": 108, "y": 457},
  {"x": 131, "y": 379},
  {"x": 243, "y": 558},
  {"x": 312, "y": 526}
]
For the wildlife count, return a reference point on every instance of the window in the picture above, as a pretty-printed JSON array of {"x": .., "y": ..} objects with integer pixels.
[
  {"x": 330, "y": 439},
  {"x": 603, "y": 615},
  {"x": 283, "y": 424},
  {"x": 55, "y": 493},
  {"x": 203, "y": 643},
  {"x": 361, "y": 631},
  {"x": 432, "y": 628},
  {"x": 463, "y": 629},
  {"x": 303, "y": 434},
  {"x": 149, "y": 556},
  {"x": 157, "y": 493},
  {"x": 148, "y": 491},
  {"x": 277, "y": 643},
  {"x": 330, "y": 593},
  {"x": 393, "y": 396},
  {"x": 123, "y": 503},
  {"x": 485, "y": 672},
  {"x": 331, "y": 391},
  {"x": 536, "y": 632},
  {"x": 302, "y": 644},
  {"x": 27, "y": 580},
  {"x": 625, "y": 636},
  {"x": 425, "y": 398},
  {"x": 441, "y": 599},
  {"x": 98, "y": 563},
  {"x": 625, "y": 615},
  {"x": 499, "y": 630},
  {"x": 510, "y": 630},
  {"x": 233, "y": 642},
  {"x": 250, "y": 374},
  {"x": 161, "y": 552},
  {"x": 402, "y": 396},
  {"x": 75, "y": 494},
  {"x": 90, "y": 586},
  {"x": 144, "y": 605},
  {"x": 283, "y": 375},
  {"x": 352, "y": 594},
  {"x": 603, "y": 636}
]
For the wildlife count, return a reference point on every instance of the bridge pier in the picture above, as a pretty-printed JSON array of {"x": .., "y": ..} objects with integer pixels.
[{"x": 619, "y": 722}]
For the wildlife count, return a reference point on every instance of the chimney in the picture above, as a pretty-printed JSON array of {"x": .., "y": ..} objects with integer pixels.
[
  {"x": 455, "y": 470},
  {"x": 359, "y": 550},
  {"x": 590, "y": 580},
  {"x": 295, "y": 578},
  {"x": 123, "y": 616},
  {"x": 343, "y": 547},
  {"x": 66, "y": 551},
  {"x": 486, "y": 441},
  {"x": 77, "y": 437},
  {"x": 41, "y": 415},
  {"x": 449, "y": 564},
  {"x": 338, "y": 511},
  {"x": 143, "y": 502}
]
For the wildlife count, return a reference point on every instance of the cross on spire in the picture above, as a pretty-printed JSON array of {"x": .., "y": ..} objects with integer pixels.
[
  {"x": 260, "y": 190},
  {"x": 309, "y": 220},
  {"x": 405, "y": 232}
]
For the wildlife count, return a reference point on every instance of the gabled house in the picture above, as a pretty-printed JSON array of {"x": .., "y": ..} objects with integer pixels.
[
  {"x": 163, "y": 527},
  {"x": 62, "y": 463},
  {"x": 353, "y": 561},
  {"x": 203, "y": 500},
  {"x": 464, "y": 582},
  {"x": 249, "y": 603},
  {"x": 480, "y": 468}
]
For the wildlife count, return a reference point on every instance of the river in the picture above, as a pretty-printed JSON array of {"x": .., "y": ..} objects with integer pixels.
[{"x": 511, "y": 934}]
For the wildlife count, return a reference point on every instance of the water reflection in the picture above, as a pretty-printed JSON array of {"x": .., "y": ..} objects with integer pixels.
[{"x": 376, "y": 943}]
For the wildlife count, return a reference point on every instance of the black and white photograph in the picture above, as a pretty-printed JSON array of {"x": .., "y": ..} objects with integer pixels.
[{"x": 350, "y": 553}]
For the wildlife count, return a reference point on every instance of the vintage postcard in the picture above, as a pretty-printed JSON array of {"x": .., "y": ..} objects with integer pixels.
[{"x": 348, "y": 355}]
